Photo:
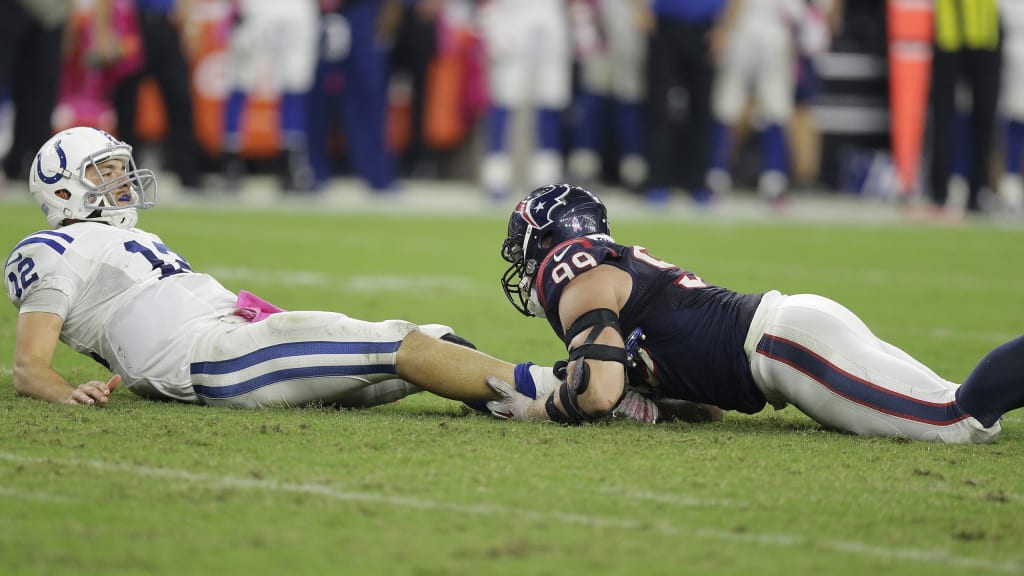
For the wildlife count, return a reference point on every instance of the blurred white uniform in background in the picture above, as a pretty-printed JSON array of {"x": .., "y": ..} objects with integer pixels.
[
  {"x": 275, "y": 42},
  {"x": 529, "y": 68},
  {"x": 1011, "y": 102},
  {"x": 612, "y": 51},
  {"x": 758, "y": 61},
  {"x": 273, "y": 51},
  {"x": 759, "y": 57}
]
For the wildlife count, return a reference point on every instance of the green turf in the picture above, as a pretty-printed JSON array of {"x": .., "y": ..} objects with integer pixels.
[{"x": 423, "y": 488}]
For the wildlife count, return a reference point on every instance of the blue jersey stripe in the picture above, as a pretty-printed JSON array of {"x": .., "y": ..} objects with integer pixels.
[
  {"x": 56, "y": 234},
  {"x": 857, "y": 389},
  {"x": 42, "y": 238},
  {"x": 290, "y": 374},
  {"x": 292, "y": 349}
]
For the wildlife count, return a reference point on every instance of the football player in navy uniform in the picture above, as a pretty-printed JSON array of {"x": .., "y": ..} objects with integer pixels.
[{"x": 627, "y": 317}]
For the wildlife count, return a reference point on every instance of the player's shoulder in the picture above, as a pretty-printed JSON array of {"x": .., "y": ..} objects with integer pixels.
[
  {"x": 579, "y": 253},
  {"x": 82, "y": 238},
  {"x": 43, "y": 242}
]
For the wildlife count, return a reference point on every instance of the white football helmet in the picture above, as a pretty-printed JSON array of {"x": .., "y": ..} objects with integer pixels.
[{"x": 58, "y": 180}]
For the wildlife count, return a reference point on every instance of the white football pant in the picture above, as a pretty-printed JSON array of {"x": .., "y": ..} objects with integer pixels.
[{"x": 815, "y": 354}]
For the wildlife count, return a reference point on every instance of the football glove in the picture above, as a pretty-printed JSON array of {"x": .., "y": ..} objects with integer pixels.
[
  {"x": 636, "y": 406},
  {"x": 511, "y": 405}
]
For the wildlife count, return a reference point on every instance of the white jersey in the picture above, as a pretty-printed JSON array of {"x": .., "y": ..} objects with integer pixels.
[
  {"x": 529, "y": 53},
  {"x": 134, "y": 305},
  {"x": 274, "y": 46},
  {"x": 126, "y": 299}
]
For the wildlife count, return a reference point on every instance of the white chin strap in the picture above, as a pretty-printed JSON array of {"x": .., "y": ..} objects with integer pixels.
[{"x": 533, "y": 305}]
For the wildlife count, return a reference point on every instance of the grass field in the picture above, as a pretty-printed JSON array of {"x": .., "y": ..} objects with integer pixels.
[{"x": 424, "y": 488}]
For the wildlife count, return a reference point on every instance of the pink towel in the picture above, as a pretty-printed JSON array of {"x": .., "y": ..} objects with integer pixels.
[{"x": 253, "y": 308}]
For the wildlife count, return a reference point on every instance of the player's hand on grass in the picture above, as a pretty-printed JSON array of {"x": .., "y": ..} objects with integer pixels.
[
  {"x": 511, "y": 404},
  {"x": 94, "y": 392}
]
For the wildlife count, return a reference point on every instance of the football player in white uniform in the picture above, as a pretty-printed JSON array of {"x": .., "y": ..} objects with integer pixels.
[
  {"x": 273, "y": 48},
  {"x": 119, "y": 295}
]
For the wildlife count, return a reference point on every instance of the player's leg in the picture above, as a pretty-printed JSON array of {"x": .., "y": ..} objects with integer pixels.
[
  {"x": 552, "y": 67},
  {"x": 299, "y": 358},
  {"x": 390, "y": 391},
  {"x": 820, "y": 357},
  {"x": 378, "y": 394},
  {"x": 440, "y": 362},
  {"x": 298, "y": 43},
  {"x": 994, "y": 387},
  {"x": 246, "y": 53},
  {"x": 294, "y": 359},
  {"x": 1011, "y": 184},
  {"x": 502, "y": 27},
  {"x": 365, "y": 98},
  {"x": 774, "y": 90},
  {"x": 729, "y": 98},
  {"x": 588, "y": 127},
  {"x": 628, "y": 53}
]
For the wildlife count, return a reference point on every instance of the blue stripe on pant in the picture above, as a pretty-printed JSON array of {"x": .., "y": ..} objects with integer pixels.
[
  {"x": 857, "y": 389},
  {"x": 290, "y": 350}
]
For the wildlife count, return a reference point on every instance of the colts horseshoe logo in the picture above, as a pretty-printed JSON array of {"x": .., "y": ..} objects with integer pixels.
[{"x": 60, "y": 173}]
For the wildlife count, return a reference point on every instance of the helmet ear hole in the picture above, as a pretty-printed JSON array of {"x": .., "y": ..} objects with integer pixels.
[{"x": 63, "y": 194}]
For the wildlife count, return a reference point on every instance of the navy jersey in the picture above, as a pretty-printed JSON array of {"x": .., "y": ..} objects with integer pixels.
[{"x": 694, "y": 331}]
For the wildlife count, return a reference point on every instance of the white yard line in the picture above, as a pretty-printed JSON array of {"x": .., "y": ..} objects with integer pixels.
[
  {"x": 34, "y": 495},
  {"x": 854, "y": 548}
]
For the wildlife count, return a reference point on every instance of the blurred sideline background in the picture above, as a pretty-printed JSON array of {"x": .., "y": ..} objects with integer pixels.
[{"x": 376, "y": 101}]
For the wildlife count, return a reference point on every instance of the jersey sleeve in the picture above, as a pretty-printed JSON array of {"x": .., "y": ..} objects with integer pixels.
[
  {"x": 567, "y": 261},
  {"x": 37, "y": 277}
]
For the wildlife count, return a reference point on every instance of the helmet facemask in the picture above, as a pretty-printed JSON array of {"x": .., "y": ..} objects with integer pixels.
[
  {"x": 517, "y": 281},
  {"x": 131, "y": 189}
]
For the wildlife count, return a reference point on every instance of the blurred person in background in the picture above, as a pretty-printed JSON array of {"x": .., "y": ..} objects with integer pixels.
[
  {"x": 352, "y": 75},
  {"x": 163, "y": 26},
  {"x": 821, "y": 22},
  {"x": 529, "y": 60},
  {"x": 1011, "y": 186},
  {"x": 758, "y": 63},
  {"x": 684, "y": 42},
  {"x": 31, "y": 40},
  {"x": 611, "y": 49},
  {"x": 273, "y": 46},
  {"x": 100, "y": 49},
  {"x": 967, "y": 45},
  {"x": 415, "y": 48}
]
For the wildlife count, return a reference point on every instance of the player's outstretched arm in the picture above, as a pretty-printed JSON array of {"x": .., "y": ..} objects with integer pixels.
[
  {"x": 35, "y": 344},
  {"x": 672, "y": 409},
  {"x": 595, "y": 377}
]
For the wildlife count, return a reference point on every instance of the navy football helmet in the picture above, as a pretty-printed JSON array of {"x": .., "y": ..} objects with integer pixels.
[{"x": 542, "y": 220}]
